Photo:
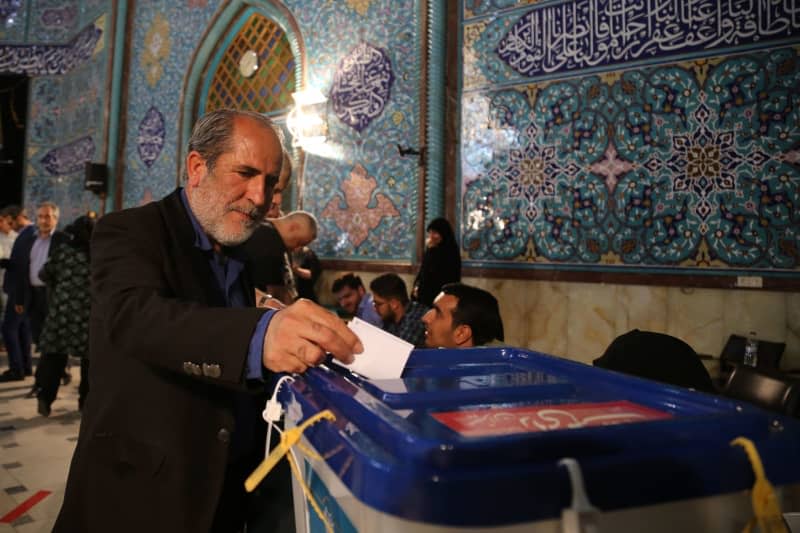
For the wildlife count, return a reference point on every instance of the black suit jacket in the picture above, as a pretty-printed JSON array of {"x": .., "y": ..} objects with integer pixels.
[
  {"x": 17, "y": 281},
  {"x": 167, "y": 360}
]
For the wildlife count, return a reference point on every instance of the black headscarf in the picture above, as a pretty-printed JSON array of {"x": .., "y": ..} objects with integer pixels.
[
  {"x": 80, "y": 232},
  {"x": 441, "y": 263}
]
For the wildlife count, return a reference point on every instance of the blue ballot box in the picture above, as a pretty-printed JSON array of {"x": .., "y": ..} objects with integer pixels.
[{"x": 471, "y": 440}]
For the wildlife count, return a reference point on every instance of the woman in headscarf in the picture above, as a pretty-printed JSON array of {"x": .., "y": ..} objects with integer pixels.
[
  {"x": 441, "y": 263},
  {"x": 66, "y": 329}
]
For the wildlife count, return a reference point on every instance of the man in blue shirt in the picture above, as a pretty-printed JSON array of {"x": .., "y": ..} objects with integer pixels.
[
  {"x": 401, "y": 317},
  {"x": 354, "y": 299},
  {"x": 180, "y": 354}
]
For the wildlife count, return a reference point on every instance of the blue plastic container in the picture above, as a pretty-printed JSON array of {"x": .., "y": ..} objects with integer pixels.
[{"x": 472, "y": 439}]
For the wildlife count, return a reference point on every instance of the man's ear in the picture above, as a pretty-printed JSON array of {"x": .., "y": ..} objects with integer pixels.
[
  {"x": 196, "y": 168},
  {"x": 462, "y": 334}
]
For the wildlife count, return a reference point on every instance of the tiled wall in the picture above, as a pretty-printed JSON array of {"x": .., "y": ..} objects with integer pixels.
[
  {"x": 579, "y": 320},
  {"x": 63, "y": 45},
  {"x": 629, "y": 139},
  {"x": 66, "y": 127},
  {"x": 363, "y": 191},
  {"x": 165, "y": 36}
]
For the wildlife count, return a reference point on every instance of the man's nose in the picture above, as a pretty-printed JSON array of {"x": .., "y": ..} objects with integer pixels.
[{"x": 256, "y": 191}]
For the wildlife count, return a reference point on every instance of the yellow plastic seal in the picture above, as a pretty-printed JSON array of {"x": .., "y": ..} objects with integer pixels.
[
  {"x": 291, "y": 437},
  {"x": 766, "y": 509}
]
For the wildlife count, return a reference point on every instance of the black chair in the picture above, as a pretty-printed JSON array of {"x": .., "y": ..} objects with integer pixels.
[
  {"x": 769, "y": 355},
  {"x": 659, "y": 357},
  {"x": 766, "y": 388}
]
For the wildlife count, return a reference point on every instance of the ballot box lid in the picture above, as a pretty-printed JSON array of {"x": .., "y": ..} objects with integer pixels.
[{"x": 473, "y": 437}]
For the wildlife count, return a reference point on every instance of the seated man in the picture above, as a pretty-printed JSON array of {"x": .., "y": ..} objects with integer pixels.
[
  {"x": 354, "y": 299},
  {"x": 462, "y": 317},
  {"x": 401, "y": 317}
]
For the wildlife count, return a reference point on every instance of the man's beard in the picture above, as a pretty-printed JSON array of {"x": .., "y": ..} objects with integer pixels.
[{"x": 211, "y": 216}]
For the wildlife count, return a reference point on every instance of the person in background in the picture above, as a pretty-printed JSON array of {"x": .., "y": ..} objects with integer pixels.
[
  {"x": 180, "y": 355},
  {"x": 7, "y": 237},
  {"x": 265, "y": 248},
  {"x": 66, "y": 329},
  {"x": 26, "y": 289},
  {"x": 462, "y": 317},
  {"x": 16, "y": 326},
  {"x": 354, "y": 299},
  {"x": 401, "y": 317},
  {"x": 283, "y": 182},
  {"x": 307, "y": 270},
  {"x": 297, "y": 229},
  {"x": 441, "y": 262}
]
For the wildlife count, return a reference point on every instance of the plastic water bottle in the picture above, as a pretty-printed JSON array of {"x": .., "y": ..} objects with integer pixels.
[{"x": 751, "y": 350}]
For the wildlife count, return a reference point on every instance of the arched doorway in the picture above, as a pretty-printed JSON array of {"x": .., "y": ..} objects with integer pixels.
[{"x": 251, "y": 58}]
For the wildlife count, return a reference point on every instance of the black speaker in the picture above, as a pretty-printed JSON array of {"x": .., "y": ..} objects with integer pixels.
[{"x": 96, "y": 178}]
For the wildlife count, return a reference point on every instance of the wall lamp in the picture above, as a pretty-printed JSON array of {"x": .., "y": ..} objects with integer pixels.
[{"x": 307, "y": 120}]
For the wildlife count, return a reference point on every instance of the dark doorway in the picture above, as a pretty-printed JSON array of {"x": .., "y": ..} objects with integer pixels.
[{"x": 13, "y": 119}]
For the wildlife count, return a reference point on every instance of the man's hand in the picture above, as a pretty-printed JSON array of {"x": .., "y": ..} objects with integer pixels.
[
  {"x": 19, "y": 309},
  {"x": 300, "y": 336}
]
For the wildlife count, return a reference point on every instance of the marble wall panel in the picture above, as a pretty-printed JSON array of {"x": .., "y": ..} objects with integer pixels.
[
  {"x": 791, "y": 357},
  {"x": 549, "y": 316},
  {"x": 591, "y": 324},
  {"x": 640, "y": 307},
  {"x": 758, "y": 311},
  {"x": 695, "y": 316}
]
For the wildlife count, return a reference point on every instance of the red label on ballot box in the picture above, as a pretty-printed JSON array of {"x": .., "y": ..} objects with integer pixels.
[{"x": 506, "y": 421}]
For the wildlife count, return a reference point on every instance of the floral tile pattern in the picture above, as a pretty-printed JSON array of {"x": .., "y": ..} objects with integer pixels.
[{"x": 684, "y": 166}]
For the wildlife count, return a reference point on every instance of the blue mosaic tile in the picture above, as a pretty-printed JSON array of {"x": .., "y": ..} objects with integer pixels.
[
  {"x": 12, "y": 20},
  {"x": 676, "y": 166},
  {"x": 49, "y": 60},
  {"x": 388, "y": 25},
  {"x": 150, "y": 140},
  {"x": 362, "y": 86},
  {"x": 392, "y": 27},
  {"x": 69, "y": 158},
  {"x": 67, "y": 128}
]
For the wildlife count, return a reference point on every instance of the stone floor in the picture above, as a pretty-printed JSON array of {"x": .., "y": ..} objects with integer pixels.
[{"x": 34, "y": 453}]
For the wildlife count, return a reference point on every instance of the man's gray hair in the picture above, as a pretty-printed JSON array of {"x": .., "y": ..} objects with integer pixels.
[
  {"x": 51, "y": 205},
  {"x": 212, "y": 133}
]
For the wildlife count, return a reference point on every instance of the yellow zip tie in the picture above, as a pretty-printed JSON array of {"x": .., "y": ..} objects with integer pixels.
[
  {"x": 766, "y": 509},
  {"x": 289, "y": 438}
]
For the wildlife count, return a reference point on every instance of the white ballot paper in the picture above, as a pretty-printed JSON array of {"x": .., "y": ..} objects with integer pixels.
[{"x": 384, "y": 355}]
